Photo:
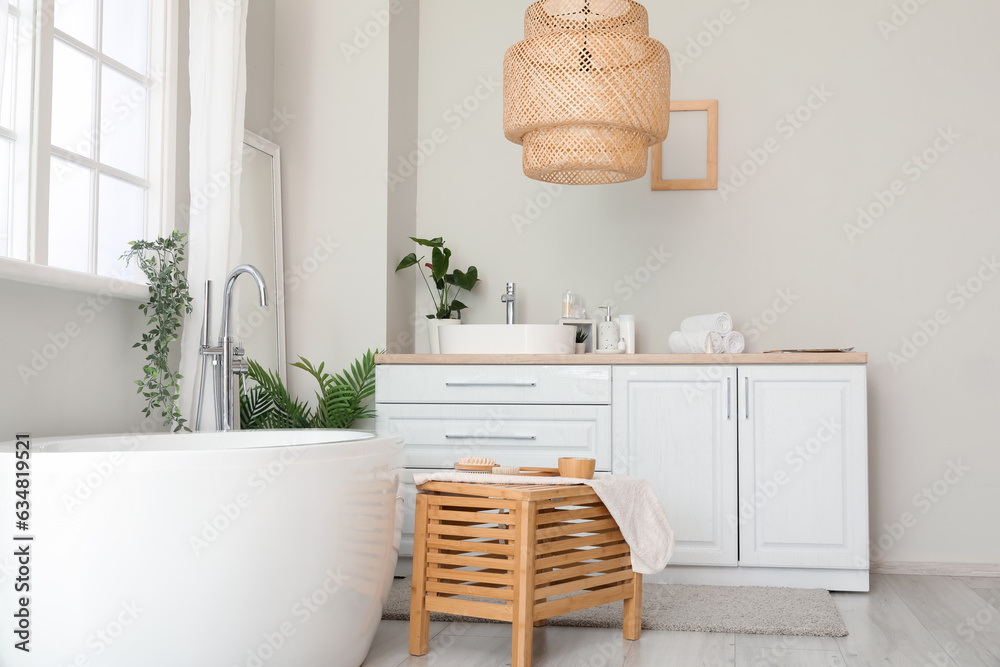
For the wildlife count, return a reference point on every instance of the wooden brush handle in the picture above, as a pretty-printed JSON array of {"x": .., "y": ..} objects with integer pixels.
[{"x": 542, "y": 472}]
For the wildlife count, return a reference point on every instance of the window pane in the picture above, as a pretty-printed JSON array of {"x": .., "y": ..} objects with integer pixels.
[
  {"x": 78, "y": 18},
  {"x": 123, "y": 122},
  {"x": 121, "y": 218},
  {"x": 126, "y": 32},
  {"x": 9, "y": 76},
  {"x": 73, "y": 100},
  {"x": 70, "y": 190},
  {"x": 6, "y": 149}
]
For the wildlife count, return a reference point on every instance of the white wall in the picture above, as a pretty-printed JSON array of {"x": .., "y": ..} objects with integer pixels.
[
  {"x": 784, "y": 230},
  {"x": 335, "y": 199},
  {"x": 67, "y": 363},
  {"x": 404, "y": 76},
  {"x": 260, "y": 65}
]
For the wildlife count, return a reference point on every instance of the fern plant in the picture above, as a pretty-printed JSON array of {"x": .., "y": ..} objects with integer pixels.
[
  {"x": 341, "y": 401},
  {"x": 169, "y": 300}
]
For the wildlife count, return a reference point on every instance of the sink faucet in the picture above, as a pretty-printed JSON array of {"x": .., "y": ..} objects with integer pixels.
[
  {"x": 509, "y": 299},
  {"x": 228, "y": 358}
]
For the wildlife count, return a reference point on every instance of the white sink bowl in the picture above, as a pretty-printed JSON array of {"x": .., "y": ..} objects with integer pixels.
[{"x": 508, "y": 339}]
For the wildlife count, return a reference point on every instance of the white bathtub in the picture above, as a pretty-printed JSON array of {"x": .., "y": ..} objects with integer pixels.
[{"x": 246, "y": 549}]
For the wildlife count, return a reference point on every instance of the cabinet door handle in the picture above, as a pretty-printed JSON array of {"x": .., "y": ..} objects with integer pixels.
[
  {"x": 491, "y": 384},
  {"x": 746, "y": 396},
  {"x": 490, "y": 437},
  {"x": 729, "y": 398}
]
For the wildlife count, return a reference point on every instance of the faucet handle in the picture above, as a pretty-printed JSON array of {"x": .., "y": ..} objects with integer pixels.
[{"x": 241, "y": 366}]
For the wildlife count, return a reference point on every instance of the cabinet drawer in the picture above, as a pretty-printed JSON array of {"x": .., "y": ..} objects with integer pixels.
[
  {"x": 435, "y": 436},
  {"x": 552, "y": 385}
]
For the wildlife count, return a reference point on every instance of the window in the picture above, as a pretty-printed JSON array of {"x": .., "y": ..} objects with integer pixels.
[{"x": 85, "y": 156}]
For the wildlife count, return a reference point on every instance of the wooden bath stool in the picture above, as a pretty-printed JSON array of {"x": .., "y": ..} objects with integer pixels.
[{"x": 520, "y": 554}]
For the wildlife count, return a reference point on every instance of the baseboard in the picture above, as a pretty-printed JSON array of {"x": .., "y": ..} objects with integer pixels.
[
  {"x": 942, "y": 569},
  {"x": 785, "y": 577},
  {"x": 404, "y": 566}
]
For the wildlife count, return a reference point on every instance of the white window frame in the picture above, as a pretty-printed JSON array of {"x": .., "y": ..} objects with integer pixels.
[
  {"x": 161, "y": 129},
  {"x": 20, "y": 133}
]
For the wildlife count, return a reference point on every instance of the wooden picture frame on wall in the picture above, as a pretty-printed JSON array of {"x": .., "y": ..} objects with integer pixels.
[{"x": 712, "y": 181}]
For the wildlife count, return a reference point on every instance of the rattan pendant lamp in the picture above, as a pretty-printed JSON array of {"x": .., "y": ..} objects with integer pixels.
[{"x": 587, "y": 92}]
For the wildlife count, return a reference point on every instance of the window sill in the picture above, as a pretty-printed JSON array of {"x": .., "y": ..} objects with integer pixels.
[{"x": 74, "y": 281}]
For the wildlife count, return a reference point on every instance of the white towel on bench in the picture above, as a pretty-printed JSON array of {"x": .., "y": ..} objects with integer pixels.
[{"x": 630, "y": 500}]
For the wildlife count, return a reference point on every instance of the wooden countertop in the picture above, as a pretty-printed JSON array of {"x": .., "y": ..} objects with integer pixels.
[{"x": 621, "y": 359}]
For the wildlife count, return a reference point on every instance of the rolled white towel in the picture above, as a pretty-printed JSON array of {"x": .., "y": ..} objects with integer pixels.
[
  {"x": 734, "y": 343},
  {"x": 719, "y": 322},
  {"x": 697, "y": 342}
]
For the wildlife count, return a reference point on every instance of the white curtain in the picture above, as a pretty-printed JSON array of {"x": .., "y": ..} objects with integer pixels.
[
  {"x": 4, "y": 17},
  {"x": 5, "y": 224},
  {"x": 218, "y": 110}
]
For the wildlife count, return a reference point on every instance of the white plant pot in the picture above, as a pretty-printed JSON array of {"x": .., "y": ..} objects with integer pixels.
[
  {"x": 432, "y": 333},
  {"x": 581, "y": 348}
]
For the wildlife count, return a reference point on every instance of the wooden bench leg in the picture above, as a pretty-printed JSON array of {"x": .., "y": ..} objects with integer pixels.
[
  {"x": 524, "y": 586},
  {"x": 542, "y": 623},
  {"x": 420, "y": 617},
  {"x": 632, "y": 623}
]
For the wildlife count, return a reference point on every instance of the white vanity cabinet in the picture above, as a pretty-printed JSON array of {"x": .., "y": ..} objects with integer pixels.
[
  {"x": 676, "y": 427},
  {"x": 762, "y": 467}
]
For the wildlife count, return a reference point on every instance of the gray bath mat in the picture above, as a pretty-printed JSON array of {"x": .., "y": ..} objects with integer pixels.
[{"x": 740, "y": 609}]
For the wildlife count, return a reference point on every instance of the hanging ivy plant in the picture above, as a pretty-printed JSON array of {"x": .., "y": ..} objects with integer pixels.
[{"x": 169, "y": 300}]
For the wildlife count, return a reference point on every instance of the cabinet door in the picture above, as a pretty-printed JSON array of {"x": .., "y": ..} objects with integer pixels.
[
  {"x": 676, "y": 427},
  {"x": 803, "y": 466}
]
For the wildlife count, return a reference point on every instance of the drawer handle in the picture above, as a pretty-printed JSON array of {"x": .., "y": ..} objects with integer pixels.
[
  {"x": 490, "y": 437},
  {"x": 491, "y": 384}
]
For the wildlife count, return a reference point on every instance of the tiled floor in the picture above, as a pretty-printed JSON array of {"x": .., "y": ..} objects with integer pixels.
[{"x": 907, "y": 621}]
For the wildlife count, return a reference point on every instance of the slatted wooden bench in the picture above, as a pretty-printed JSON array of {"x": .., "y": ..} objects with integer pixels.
[{"x": 520, "y": 554}]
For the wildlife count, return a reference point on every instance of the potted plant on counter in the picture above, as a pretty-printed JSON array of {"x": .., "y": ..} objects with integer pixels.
[{"x": 447, "y": 285}]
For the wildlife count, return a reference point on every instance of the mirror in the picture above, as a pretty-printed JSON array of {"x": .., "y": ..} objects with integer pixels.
[{"x": 262, "y": 330}]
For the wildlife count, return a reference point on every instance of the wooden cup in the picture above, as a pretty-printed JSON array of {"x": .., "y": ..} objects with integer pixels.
[{"x": 571, "y": 466}]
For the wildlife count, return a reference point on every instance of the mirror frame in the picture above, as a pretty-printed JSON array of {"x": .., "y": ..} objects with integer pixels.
[{"x": 269, "y": 148}]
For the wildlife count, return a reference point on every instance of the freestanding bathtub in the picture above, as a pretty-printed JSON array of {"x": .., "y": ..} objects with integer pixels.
[{"x": 245, "y": 549}]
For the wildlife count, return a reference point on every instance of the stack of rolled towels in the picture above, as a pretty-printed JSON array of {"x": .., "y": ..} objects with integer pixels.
[{"x": 707, "y": 334}]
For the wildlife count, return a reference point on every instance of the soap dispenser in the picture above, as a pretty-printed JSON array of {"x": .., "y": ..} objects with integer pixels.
[{"x": 608, "y": 333}]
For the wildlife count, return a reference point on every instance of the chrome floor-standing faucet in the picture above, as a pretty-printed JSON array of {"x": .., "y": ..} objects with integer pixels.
[{"x": 228, "y": 357}]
